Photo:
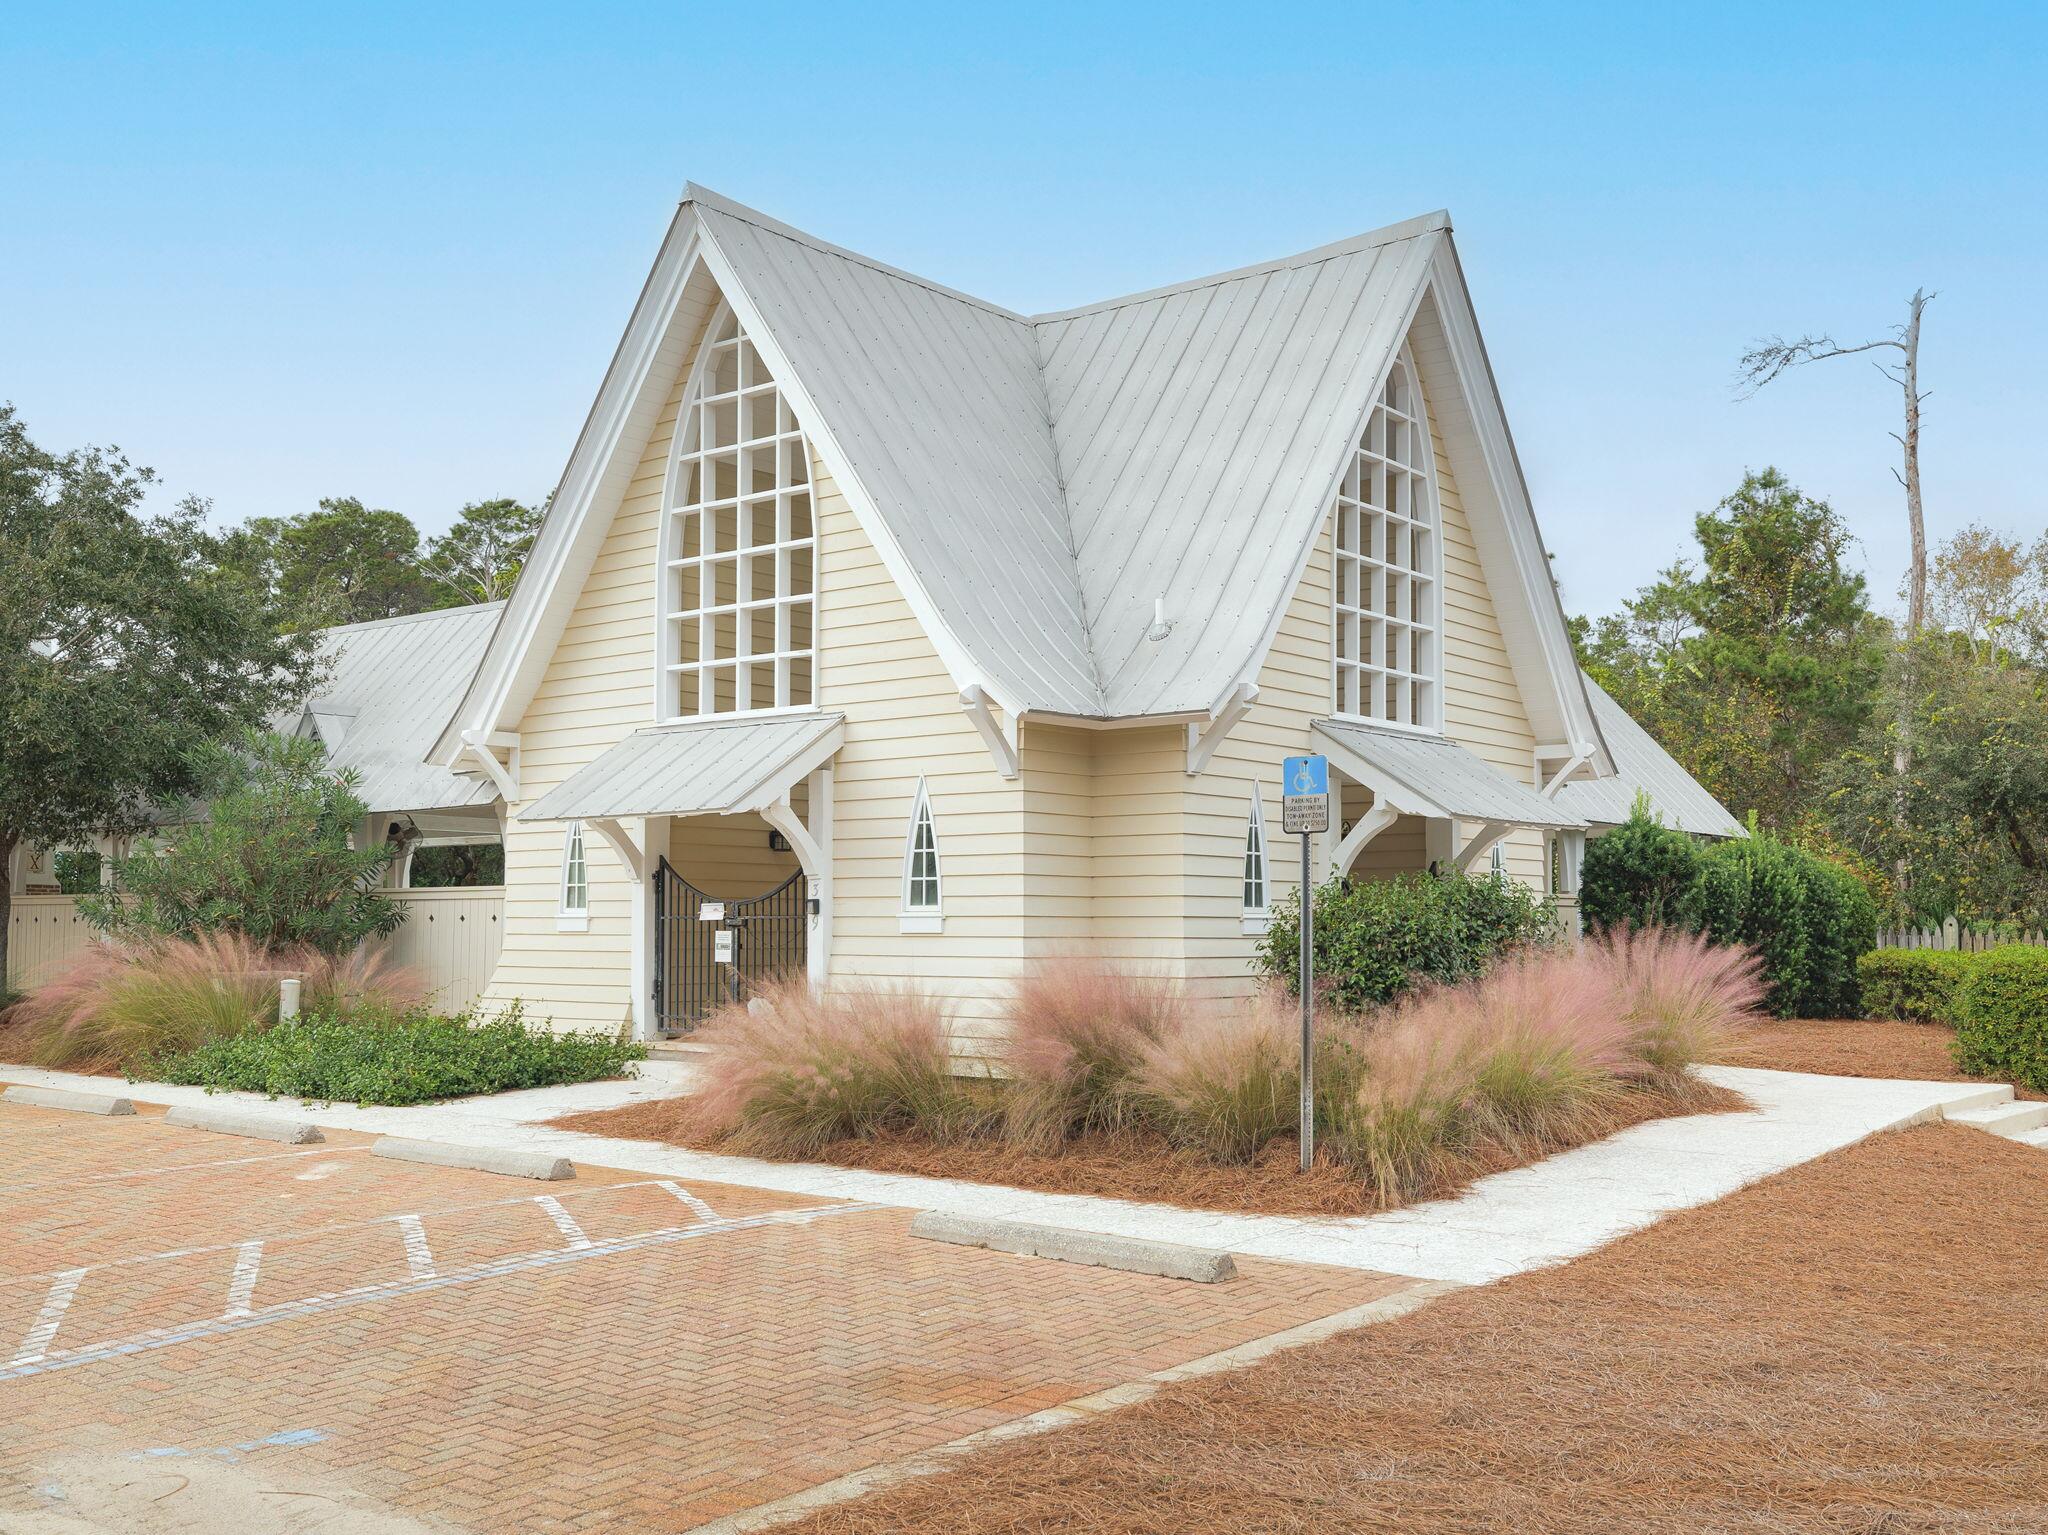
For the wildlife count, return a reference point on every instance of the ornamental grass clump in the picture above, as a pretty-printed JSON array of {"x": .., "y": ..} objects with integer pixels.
[
  {"x": 795, "y": 1070},
  {"x": 1683, "y": 997},
  {"x": 1079, "y": 1030},
  {"x": 1408, "y": 1125},
  {"x": 1226, "y": 1082},
  {"x": 1549, "y": 1050}
]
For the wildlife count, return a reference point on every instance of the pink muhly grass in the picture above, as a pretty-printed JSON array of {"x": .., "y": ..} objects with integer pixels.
[
  {"x": 1079, "y": 1029},
  {"x": 1408, "y": 1123},
  {"x": 800, "y": 1069},
  {"x": 125, "y": 1004},
  {"x": 1682, "y": 996},
  {"x": 1228, "y": 1080},
  {"x": 364, "y": 983},
  {"x": 1550, "y": 1048}
]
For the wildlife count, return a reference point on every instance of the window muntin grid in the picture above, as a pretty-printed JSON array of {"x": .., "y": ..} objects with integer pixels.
[
  {"x": 921, "y": 864},
  {"x": 575, "y": 873},
  {"x": 1385, "y": 583},
  {"x": 739, "y": 599},
  {"x": 1255, "y": 861}
]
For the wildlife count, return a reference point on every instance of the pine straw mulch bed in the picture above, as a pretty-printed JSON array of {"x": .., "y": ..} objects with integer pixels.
[
  {"x": 1854, "y": 1047},
  {"x": 1145, "y": 1166},
  {"x": 1854, "y": 1347}
]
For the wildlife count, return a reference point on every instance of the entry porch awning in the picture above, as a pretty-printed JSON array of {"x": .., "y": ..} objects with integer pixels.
[
  {"x": 1429, "y": 776},
  {"x": 699, "y": 767}
]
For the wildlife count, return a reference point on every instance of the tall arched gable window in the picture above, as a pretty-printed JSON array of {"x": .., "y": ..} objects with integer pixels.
[
  {"x": 738, "y": 543},
  {"x": 923, "y": 911},
  {"x": 573, "y": 912},
  {"x": 1256, "y": 893},
  {"x": 1387, "y": 598}
]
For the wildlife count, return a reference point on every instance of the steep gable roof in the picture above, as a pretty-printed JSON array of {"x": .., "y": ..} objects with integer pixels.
[
  {"x": 1641, "y": 766},
  {"x": 1041, "y": 486}
]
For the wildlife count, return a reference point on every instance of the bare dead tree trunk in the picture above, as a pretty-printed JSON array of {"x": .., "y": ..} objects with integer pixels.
[{"x": 1909, "y": 441}]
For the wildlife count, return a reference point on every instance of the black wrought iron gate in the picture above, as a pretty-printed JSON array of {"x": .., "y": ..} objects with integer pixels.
[{"x": 770, "y": 938}]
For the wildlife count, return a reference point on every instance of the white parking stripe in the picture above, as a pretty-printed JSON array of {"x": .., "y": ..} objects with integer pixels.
[
  {"x": 49, "y": 1319},
  {"x": 418, "y": 1256},
  {"x": 242, "y": 1287},
  {"x": 690, "y": 1199},
  {"x": 564, "y": 1221}
]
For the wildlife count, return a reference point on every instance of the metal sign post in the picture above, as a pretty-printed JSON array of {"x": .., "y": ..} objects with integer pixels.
[{"x": 1305, "y": 811}]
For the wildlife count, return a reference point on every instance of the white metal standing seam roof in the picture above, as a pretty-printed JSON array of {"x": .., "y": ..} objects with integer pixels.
[
  {"x": 1429, "y": 776},
  {"x": 1640, "y": 764},
  {"x": 703, "y": 767},
  {"x": 392, "y": 685},
  {"x": 1050, "y": 478}
]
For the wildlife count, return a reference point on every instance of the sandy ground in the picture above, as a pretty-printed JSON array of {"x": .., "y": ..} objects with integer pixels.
[{"x": 1851, "y": 1348}]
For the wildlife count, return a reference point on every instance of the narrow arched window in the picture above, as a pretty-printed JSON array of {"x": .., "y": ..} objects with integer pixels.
[
  {"x": 739, "y": 542},
  {"x": 1387, "y": 598},
  {"x": 574, "y": 910},
  {"x": 922, "y": 892},
  {"x": 1256, "y": 908}
]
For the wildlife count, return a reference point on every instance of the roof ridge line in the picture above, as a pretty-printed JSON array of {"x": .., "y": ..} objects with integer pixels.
[
  {"x": 692, "y": 192},
  {"x": 1407, "y": 229},
  {"x": 406, "y": 618}
]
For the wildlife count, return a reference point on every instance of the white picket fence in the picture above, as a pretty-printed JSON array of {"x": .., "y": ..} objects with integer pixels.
[
  {"x": 451, "y": 937},
  {"x": 1955, "y": 936}
]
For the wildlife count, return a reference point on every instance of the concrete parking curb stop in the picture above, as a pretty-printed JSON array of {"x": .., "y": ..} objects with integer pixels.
[
  {"x": 482, "y": 1159},
  {"x": 293, "y": 1132},
  {"x": 1133, "y": 1255},
  {"x": 78, "y": 1103},
  {"x": 846, "y": 1488}
]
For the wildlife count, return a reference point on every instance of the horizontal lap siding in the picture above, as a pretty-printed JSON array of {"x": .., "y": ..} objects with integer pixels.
[{"x": 903, "y": 719}]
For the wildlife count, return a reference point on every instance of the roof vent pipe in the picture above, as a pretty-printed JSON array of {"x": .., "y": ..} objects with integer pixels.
[{"x": 1161, "y": 627}]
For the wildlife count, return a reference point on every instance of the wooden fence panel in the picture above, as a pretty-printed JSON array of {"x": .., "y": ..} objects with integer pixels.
[
  {"x": 1954, "y": 936},
  {"x": 451, "y": 937}
]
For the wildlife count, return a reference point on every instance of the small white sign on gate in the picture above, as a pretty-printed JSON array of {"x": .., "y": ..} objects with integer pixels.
[
  {"x": 721, "y": 946},
  {"x": 711, "y": 911}
]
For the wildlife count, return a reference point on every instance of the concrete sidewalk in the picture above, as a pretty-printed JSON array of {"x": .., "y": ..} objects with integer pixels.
[{"x": 1546, "y": 1213}]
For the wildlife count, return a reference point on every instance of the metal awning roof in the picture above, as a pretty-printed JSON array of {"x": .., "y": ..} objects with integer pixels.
[
  {"x": 702, "y": 767},
  {"x": 1641, "y": 766},
  {"x": 1429, "y": 776}
]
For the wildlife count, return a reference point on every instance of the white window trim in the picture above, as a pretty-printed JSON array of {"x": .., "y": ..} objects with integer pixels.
[
  {"x": 668, "y": 665},
  {"x": 922, "y": 919},
  {"x": 570, "y": 919},
  {"x": 1434, "y": 725},
  {"x": 1254, "y": 920}
]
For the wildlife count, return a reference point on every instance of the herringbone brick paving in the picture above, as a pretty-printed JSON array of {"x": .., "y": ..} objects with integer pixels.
[{"x": 623, "y": 1385}]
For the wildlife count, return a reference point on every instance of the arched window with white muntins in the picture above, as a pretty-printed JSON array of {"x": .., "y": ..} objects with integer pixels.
[
  {"x": 922, "y": 892},
  {"x": 574, "y": 908},
  {"x": 739, "y": 542},
  {"x": 1256, "y": 905},
  {"x": 1386, "y": 591}
]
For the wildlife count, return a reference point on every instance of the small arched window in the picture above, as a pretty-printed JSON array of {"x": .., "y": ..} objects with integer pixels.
[
  {"x": 574, "y": 911},
  {"x": 922, "y": 891},
  {"x": 1257, "y": 909}
]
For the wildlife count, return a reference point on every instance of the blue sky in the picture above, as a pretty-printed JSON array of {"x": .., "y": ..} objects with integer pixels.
[{"x": 281, "y": 253}]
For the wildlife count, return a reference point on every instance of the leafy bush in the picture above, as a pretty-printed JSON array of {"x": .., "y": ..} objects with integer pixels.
[
  {"x": 1681, "y": 996},
  {"x": 1079, "y": 1030},
  {"x": 1841, "y": 926},
  {"x": 801, "y": 1069},
  {"x": 1376, "y": 939},
  {"x": 1638, "y": 875},
  {"x": 118, "y": 1004},
  {"x": 269, "y": 858},
  {"x": 1749, "y": 894},
  {"x": 2001, "y": 1016},
  {"x": 1227, "y": 1083},
  {"x": 1918, "y": 985},
  {"x": 400, "y": 1059}
]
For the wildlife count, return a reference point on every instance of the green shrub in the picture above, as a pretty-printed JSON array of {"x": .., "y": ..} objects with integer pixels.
[
  {"x": 403, "y": 1059},
  {"x": 1918, "y": 985},
  {"x": 1750, "y": 893},
  {"x": 1840, "y": 919},
  {"x": 1376, "y": 939},
  {"x": 1638, "y": 875},
  {"x": 2001, "y": 1016}
]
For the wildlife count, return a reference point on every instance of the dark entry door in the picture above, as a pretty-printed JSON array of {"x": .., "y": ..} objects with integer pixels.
[{"x": 770, "y": 939}]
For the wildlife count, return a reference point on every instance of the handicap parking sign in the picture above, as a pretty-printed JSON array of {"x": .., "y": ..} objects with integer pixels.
[{"x": 1304, "y": 795}]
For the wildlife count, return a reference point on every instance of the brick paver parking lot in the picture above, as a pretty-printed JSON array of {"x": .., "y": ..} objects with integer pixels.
[{"x": 201, "y": 1331}]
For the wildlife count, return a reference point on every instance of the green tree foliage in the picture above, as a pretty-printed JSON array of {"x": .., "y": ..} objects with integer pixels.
[
  {"x": 124, "y": 645},
  {"x": 343, "y": 564},
  {"x": 1975, "y": 796},
  {"x": 1638, "y": 875},
  {"x": 271, "y": 859},
  {"x": 1375, "y": 939},
  {"x": 1757, "y": 665},
  {"x": 480, "y": 557}
]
